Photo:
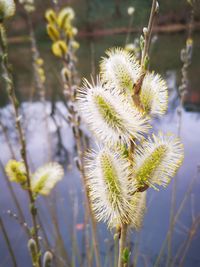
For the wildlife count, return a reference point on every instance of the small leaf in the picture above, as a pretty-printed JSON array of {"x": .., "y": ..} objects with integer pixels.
[{"x": 126, "y": 255}]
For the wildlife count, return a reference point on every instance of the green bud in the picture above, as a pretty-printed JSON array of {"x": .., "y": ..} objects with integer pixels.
[
  {"x": 146, "y": 62},
  {"x": 142, "y": 42},
  {"x": 145, "y": 31},
  {"x": 157, "y": 7},
  {"x": 47, "y": 259},
  {"x": 116, "y": 236},
  {"x": 32, "y": 247}
]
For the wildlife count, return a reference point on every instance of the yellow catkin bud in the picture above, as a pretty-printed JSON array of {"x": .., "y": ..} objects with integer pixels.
[
  {"x": 68, "y": 31},
  {"x": 39, "y": 61},
  {"x": 16, "y": 171},
  {"x": 59, "y": 48},
  {"x": 189, "y": 41},
  {"x": 40, "y": 71},
  {"x": 75, "y": 45},
  {"x": 42, "y": 78},
  {"x": 53, "y": 32},
  {"x": 66, "y": 25},
  {"x": 65, "y": 16},
  {"x": 50, "y": 16}
]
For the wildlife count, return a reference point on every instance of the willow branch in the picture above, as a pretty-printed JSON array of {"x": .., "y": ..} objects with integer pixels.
[
  {"x": 148, "y": 33},
  {"x": 13, "y": 99}
]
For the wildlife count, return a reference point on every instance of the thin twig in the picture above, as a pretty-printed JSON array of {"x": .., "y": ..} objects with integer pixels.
[
  {"x": 178, "y": 213},
  {"x": 186, "y": 244},
  {"x": 145, "y": 51},
  {"x": 147, "y": 36},
  {"x": 5, "y": 132},
  {"x": 182, "y": 90},
  {"x": 8, "y": 243}
]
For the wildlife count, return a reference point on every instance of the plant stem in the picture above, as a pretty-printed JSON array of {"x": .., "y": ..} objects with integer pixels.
[
  {"x": 5, "y": 133},
  {"x": 35, "y": 56},
  {"x": 40, "y": 85},
  {"x": 11, "y": 94},
  {"x": 115, "y": 252},
  {"x": 145, "y": 51},
  {"x": 10, "y": 249},
  {"x": 148, "y": 33},
  {"x": 122, "y": 244}
]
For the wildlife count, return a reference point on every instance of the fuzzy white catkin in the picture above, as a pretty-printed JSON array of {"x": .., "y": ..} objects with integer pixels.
[
  {"x": 46, "y": 177},
  {"x": 154, "y": 94},
  {"x": 120, "y": 69},
  {"x": 109, "y": 186},
  {"x": 157, "y": 160},
  {"x": 109, "y": 114}
]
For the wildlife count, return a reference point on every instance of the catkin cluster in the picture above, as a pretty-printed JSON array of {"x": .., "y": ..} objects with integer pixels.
[
  {"x": 61, "y": 31},
  {"x": 118, "y": 111}
]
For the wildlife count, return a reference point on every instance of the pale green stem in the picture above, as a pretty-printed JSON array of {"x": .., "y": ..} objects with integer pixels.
[
  {"x": 122, "y": 244},
  {"x": 149, "y": 32},
  {"x": 115, "y": 252}
]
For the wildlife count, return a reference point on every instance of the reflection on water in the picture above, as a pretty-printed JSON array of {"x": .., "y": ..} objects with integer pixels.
[{"x": 51, "y": 137}]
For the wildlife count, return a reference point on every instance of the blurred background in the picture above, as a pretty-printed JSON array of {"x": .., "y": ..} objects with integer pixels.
[{"x": 103, "y": 24}]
